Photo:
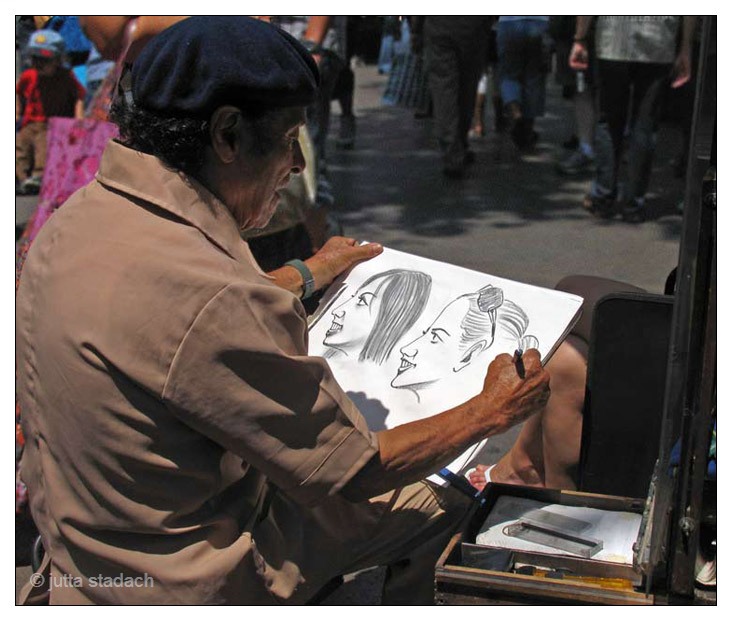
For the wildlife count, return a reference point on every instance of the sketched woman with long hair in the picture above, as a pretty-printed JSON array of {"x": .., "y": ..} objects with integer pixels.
[{"x": 381, "y": 311}]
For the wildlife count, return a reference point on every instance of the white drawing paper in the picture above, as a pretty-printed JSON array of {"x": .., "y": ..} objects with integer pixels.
[{"x": 409, "y": 337}]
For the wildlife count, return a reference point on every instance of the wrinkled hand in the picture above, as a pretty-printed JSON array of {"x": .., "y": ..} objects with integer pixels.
[
  {"x": 578, "y": 57},
  {"x": 682, "y": 70},
  {"x": 336, "y": 256},
  {"x": 511, "y": 398}
]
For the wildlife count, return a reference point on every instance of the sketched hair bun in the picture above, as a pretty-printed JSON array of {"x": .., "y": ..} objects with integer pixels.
[{"x": 490, "y": 298}]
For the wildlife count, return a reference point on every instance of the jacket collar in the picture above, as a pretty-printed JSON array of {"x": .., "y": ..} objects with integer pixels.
[{"x": 144, "y": 176}]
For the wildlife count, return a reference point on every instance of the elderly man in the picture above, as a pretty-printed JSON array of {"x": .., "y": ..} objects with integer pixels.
[{"x": 182, "y": 447}]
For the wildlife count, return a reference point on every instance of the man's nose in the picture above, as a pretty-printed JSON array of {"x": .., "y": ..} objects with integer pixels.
[{"x": 338, "y": 315}]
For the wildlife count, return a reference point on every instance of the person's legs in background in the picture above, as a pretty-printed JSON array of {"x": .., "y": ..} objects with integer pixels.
[
  {"x": 386, "y": 53},
  {"x": 389, "y": 34},
  {"x": 343, "y": 91},
  {"x": 318, "y": 122},
  {"x": 614, "y": 94},
  {"x": 478, "y": 128},
  {"x": 523, "y": 76},
  {"x": 23, "y": 154},
  {"x": 444, "y": 82},
  {"x": 510, "y": 53},
  {"x": 499, "y": 113},
  {"x": 319, "y": 112},
  {"x": 30, "y": 157},
  {"x": 534, "y": 75},
  {"x": 650, "y": 81},
  {"x": 344, "y": 94},
  {"x": 471, "y": 53},
  {"x": 582, "y": 158},
  {"x": 490, "y": 56},
  {"x": 586, "y": 121}
]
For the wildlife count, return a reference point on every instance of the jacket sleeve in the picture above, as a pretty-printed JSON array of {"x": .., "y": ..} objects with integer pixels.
[{"x": 242, "y": 377}]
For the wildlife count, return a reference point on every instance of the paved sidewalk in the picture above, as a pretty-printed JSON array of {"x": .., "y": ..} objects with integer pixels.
[{"x": 513, "y": 216}]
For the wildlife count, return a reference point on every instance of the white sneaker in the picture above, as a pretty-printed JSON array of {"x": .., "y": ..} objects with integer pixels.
[{"x": 706, "y": 571}]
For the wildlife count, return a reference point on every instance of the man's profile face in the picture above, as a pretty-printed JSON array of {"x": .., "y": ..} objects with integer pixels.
[
  {"x": 262, "y": 177},
  {"x": 433, "y": 356}
]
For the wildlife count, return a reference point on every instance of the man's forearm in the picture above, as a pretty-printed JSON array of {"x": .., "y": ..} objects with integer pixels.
[
  {"x": 582, "y": 27},
  {"x": 687, "y": 32},
  {"x": 317, "y": 27},
  {"x": 288, "y": 278},
  {"x": 415, "y": 450},
  {"x": 410, "y": 452}
]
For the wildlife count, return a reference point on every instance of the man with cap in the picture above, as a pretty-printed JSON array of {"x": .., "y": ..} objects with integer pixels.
[
  {"x": 46, "y": 89},
  {"x": 181, "y": 446}
]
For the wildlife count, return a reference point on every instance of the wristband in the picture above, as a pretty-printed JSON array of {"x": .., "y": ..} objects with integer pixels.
[
  {"x": 582, "y": 40},
  {"x": 308, "y": 282},
  {"x": 312, "y": 47}
]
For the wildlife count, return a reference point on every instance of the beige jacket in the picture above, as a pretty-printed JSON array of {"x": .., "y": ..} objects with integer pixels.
[{"x": 166, "y": 391}]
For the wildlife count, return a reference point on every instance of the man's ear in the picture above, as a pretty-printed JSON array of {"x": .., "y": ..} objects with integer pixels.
[
  {"x": 226, "y": 132},
  {"x": 467, "y": 358}
]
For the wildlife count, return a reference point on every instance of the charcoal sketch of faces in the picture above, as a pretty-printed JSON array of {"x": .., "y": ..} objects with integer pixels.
[
  {"x": 371, "y": 321},
  {"x": 461, "y": 332}
]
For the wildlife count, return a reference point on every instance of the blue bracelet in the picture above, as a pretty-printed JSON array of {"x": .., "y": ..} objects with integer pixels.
[{"x": 307, "y": 278}]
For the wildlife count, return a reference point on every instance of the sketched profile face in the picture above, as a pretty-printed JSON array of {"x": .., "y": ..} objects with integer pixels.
[
  {"x": 373, "y": 320},
  {"x": 466, "y": 327},
  {"x": 435, "y": 354},
  {"x": 353, "y": 318}
]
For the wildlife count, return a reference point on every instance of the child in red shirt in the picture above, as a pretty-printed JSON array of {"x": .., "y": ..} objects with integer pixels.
[{"x": 46, "y": 89}]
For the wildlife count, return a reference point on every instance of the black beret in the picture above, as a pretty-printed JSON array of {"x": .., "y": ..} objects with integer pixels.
[{"x": 203, "y": 62}]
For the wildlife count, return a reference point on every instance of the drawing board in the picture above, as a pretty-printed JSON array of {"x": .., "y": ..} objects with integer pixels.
[{"x": 408, "y": 337}]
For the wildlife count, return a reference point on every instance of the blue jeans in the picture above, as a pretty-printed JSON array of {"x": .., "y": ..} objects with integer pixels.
[
  {"x": 386, "y": 53},
  {"x": 522, "y": 66}
]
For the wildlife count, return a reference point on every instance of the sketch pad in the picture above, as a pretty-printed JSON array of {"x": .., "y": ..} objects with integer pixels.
[{"x": 406, "y": 337}]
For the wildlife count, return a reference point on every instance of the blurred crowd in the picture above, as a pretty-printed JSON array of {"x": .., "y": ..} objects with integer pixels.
[
  {"x": 622, "y": 74},
  {"x": 477, "y": 77}
]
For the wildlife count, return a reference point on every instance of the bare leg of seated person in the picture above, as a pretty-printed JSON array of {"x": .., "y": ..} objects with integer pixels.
[{"x": 546, "y": 452}]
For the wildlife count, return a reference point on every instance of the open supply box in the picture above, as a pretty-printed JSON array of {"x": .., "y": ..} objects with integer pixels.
[{"x": 529, "y": 545}]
